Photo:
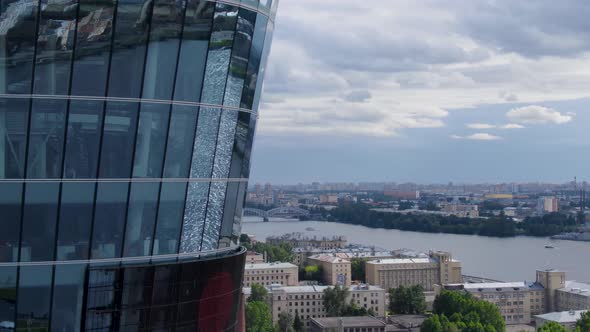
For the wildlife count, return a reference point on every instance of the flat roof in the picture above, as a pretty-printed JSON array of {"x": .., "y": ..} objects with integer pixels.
[
  {"x": 563, "y": 316},
  {"x": 403, "y": 261},
  {"x": 277, "y": 265},
  {"x": 314, "y": 288},
  {"x": 357, "y": 321},
  {"x": 574, "y": 287},
  {"x": 331, "y": 258}
]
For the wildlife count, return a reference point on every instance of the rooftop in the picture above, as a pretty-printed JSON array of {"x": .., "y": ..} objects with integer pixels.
[
  {"x": 333, "y": 258},
  {"x": 358, "y": 321},
  {"x": 575, "y": 287},
  {"x": 403, "y": 261},
  {"x": 562, "y": 316},
  {"x": 313, "y": 288},
  {"x": 276, "y": 265}
]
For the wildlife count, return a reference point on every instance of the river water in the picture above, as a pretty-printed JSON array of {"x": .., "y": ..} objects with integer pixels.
[{"x": 507, "y": 259}]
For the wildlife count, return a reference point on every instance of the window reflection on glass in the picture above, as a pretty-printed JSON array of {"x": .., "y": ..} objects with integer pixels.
[
  {"x": 227, "y": 234},
  {"x": 220, "y": 45},
  {"x": 136, "y": 298},
  {"x": 193, "y": 50},
  {"x": 194, "y": 217},
  {"x": 129, "y": 45},
  {"x": 263, "y": 61},
  {"x": 180, "y": 141},
  {"x": 93, "y": 44},
  {"x": 17, "y": 45},
  {"x": 8, "y": 294},
  {"x": 241, "y": 137},
  {"x": 109, "y": 220},
  {"x": 255, "y": 55},
  {"x": 39, "y": 220},
  {"x": 163, "y": 49},
  {"x": 46, "y": 137},
  {"x": 170, "y": 213},
  {"x": 151, "y": 140},
  {"x": 55, "y": 41},
  {"x": 83, "y": 139},
  {"x": 14, "y": 121},
  {"x": 141, "y": 218},
  {"x": 118, "y": 140},
  {"x": 265, "y": 6},
  {"x": 10, "y": 215},
  {"x": 75, "y": 221},
  {"x": 100, "y": 301},
  {"x": 34, "y": 298},
  {"x": 251, "y": 3},
  {"x": 68, "y": 295}
]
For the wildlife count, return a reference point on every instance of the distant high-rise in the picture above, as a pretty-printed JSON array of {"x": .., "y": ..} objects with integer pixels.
[{"x": 126, "y": 129}]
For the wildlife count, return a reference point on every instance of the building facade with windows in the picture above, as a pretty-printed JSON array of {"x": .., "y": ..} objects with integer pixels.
[
  {"x": 266, "y": 274},
  {"x": 126, "y": 128}
]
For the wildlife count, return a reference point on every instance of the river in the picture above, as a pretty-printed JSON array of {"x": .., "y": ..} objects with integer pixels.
[{"x": 508, "y": 259}]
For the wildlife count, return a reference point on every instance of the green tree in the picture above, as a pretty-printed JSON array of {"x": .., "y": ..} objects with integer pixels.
[
  {"x": 258, "y": 293},
  {"x": 405, "y": 205},
  {"x": 275, "y": 253},
  {"x": 258, "y": 317},
  {"x": 357, "y": 267},
  {"x": 432, "y": 324},
  {"x": 285, "y": 322},
  {"x": 311, "y": 272},
  {"x": 552, "y": 327},
  {"x": 245, "y": 241},
  {"x": 467, "y": 313},
  {"x": 583, "y": 324},
  {"x": 298, "y": 324},
  {"x": 407, "y": 300},
  {"x": 335, "y": 300}
]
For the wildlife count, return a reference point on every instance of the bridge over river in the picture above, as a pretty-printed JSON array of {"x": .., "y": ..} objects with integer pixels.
[{"x": 280, "y": 212}]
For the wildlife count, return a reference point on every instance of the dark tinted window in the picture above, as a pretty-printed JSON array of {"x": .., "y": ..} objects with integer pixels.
[
  {"x": 109, "y": 220},
  {"x": 131, "y": 31},
  {"x": 169, "y": 218},
  {"x": 136, "y": 297},
  {"x": 93, "y": 44},
  {"x": 14, "y": 122},
  {"x": 39, "y": 221},
  {"x": 255, "y": 56},
  {"x": 10, "y": 215},
  {"x": 19, "y": 22},
  {"x": 68, "y": 293},
  {"x": 46, "y": 139},
  {"x": 34, "y": 298},
  {"x": 75, "y": 220},
  {"x": 118, "y": 140},
  {"x": 8, "y": 294},
  {"x": 180, "y": 141},
  {"x": 151, "y": 140},
  {"x": 141, "y": 217},
  {"x": 55, "y": 42},
  {"x": 83, "y": 139},
  {"x": 101, "y": 302}
]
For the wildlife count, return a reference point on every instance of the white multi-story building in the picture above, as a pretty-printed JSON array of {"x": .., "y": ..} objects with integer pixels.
[{"x": 266, "y": 274}]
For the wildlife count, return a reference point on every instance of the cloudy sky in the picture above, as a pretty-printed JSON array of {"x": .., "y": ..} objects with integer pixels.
[{"x": 426, "y": 91}]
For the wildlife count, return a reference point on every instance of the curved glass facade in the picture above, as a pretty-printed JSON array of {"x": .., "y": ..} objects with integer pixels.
[{"x": 126, "y": 129}]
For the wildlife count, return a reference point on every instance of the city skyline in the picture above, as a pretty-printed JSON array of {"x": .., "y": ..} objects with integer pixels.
[{"x": 452, "y": 95}]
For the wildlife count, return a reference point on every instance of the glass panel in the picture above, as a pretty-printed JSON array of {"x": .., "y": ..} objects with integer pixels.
[
  {"x": 10, "y": 217},
  {"x": 109, "y": 220},
  {"x": 118, "y": 140},
  {"x": 8, "y": 295},
  {"x": 202, "y": 163},
  {"x": 214, "y": 213},
  {"x": 17, "y": 44},
  {"x": 193, "y": 50},
  {"x": 34, "y": 298},
  {"x": 141, "y": 217},
  {"x": 248, "y": 149},
  {"x": 131, "y": 33},
  {"x": 239, "y": 147},
  {"x": 14, "y": 121},
  {"x": 164, "y": 298},
  {"x": 101, "y": 300},
  {"x": 240, "y": 202},
  {"x": 83, "y": 139},
  {"x": 68, "y": 295},
  {"x": 227, "y": 233},
  {"x": 75, "y": 221},
  {"x": 93, "y": 45},
  {"x": 265, "y": 6},
  {"x": 254, "y": 61},
  {"x": 239, "y": 59},
  {"x": 39, "y": 221},
  {"x": 57, "y": 24},
  {"x": 251, "y": 3},
  {"x": 220, "y": 48},
  {"x": 163, "y": 49},
  {"x": 169, "y": 218},
  {"x": 263, "y": 61},
  {"x": 46, "y": 139},
  {"x": 180, "y": 141},
  {"x": 136, "y": 298},
  {"x": 151, "y": 140}
]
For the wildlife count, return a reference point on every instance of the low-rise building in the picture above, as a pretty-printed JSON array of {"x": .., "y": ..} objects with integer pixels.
[
  {"x": 254, "y": 258},
  {"x": 308, "y": 301},
  {"x": 566, "y": 319},
  {"x": 347, "y": 324},
  {"x": 438, "y": 268},
  {"x": 301, "y": 240},
  {"x": 462, "y": 210},
  {"x": 336, "y": 270},
  {"x": 267, "y": 274},
  {"x": 573, "y": 296}
]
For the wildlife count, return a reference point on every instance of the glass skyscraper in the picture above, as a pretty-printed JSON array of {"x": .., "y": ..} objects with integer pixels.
[{"x": 126, "y": 128}]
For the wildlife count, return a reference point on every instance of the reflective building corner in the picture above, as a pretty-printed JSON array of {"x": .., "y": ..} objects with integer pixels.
[{"x": 126, "y": 128}]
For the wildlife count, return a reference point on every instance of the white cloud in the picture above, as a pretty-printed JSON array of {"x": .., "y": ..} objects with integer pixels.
[
  {"x": 478, "y": 137},
  {"x": 480, "y": 126},
  {"x": 512, "y": 126},
  {"x": 538, "y": 115}
]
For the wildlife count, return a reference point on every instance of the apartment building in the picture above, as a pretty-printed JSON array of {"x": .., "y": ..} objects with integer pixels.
[
  {"x": 254, "y": 258},
  {"x": 336, "y": 270},
  {"x": 266, "y": 274},
  {"x": 347, "y": 324},
  {"x": 573, "y": 296},
  {"x": 308, "y": 301},
  {"x": 438, "y": 268}
]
